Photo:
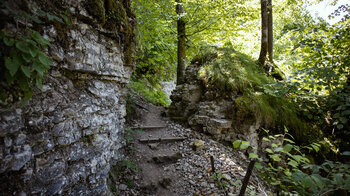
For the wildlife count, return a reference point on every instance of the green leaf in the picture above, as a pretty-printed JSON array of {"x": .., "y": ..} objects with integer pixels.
[
  {"x": 275, "y": 157},
  {"x": 22, "y": 46},
  {"x": 307, "y": 182},
  {"x": 346, "y": 113},
  {"x": 265, "y": 139},
  {"x": 31, "y": 43},
  {"x": 33, "y": 51},
  {"x": 253, "y": 156},
  {"x": 346, "y": 153},
  {"x": 45, "y": 60},
  {"x": 41, "y": 13},
  {"x": 23, "y": 83},
  {"x": 25, "y": 70},
  {"x": 39, "y": 39},
  {"x": 287, "y": 148},
  {"x": 35, "y": 19},
  {"x": 293, "y": 163},
  {"x": 315, "y": 146},
  {"x": 39, "y": 83},
  {"x": 340, "y": 126},
  {"x": 318, "y": 180},
  {"x": 343, "y": 120},
  {"x": 11, "y": 66},
  {"x": 49, "y": 16},
  {"x": 278, "y": 149},
  {"x": 290, "y": 141},
  {"x": 9, "y": 41},
  {"x": 39, "y": 68},
  {"x": 276, "y": 182},
  {"x": 27, "y": 57},
  {"x": 269, "y": 150},
  {"x": 338, "y": 178},
  {"x": 258, "y": 166},
  {"x": 245, "y": 145},
  {"x": 65, "y": 18},
  {"x": 236, "y": 143},
  {"x": 288, "y": 173},
  {"x": 58, "y": 19}
]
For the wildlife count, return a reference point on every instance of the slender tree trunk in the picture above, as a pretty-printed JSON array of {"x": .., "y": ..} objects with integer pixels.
[
  {"x": 264, "y": 32},
  {"x": 270, "y": 31},
  {"x": 181, "y": 43}
]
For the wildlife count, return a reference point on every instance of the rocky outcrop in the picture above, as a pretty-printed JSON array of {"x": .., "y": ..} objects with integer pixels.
[
  {"x": 210, "y": 110},
  {"x": 66, "y": 138}
]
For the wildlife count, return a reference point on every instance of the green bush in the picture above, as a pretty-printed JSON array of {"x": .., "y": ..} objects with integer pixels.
[
  {"x": 153, "y": 94},
  {"x": 290, "y": 171}
]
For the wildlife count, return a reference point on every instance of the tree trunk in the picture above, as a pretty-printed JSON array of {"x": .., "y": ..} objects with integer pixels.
[
  {"x": 181, "y": 43},
  {"x": 270, "y": 31},
  {"x": 264, "y": 32}
]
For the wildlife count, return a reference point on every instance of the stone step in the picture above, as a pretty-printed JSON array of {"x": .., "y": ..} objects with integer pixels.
[
  {"x": 162, "y": 139},
  {"x": 166, "y": 159},
  {"x": 149, "y": 127}
]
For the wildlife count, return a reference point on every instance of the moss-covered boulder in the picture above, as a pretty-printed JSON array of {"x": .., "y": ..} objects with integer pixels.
[{"x": 224, "y": 95}]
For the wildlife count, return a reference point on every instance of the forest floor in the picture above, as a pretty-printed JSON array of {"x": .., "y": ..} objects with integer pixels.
[{"x": 166, "y": 168}]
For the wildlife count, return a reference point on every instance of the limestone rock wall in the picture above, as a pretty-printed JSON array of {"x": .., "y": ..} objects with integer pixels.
[{"x": 64, "y": 141}]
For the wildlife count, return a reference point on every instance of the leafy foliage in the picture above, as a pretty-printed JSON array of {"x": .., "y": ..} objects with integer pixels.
[
  {"x": 290, "y": 171},
  {"x": 23, "y": 58},
  {"x": 320, "y": 82},
  {"x": 157, "y": 41},
  {"x": 153, "y": 94}
]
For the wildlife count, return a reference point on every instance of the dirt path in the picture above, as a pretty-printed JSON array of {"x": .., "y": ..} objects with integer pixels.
[{"x": 172, "y": 168}]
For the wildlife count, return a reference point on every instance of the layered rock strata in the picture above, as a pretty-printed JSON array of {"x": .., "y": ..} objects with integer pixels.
[{"x": 66, "y": 138}]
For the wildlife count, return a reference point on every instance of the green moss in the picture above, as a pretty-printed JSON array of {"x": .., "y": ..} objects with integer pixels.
[
  {"x": 232, "y": 71},
  {"x": 114, "y": 15},
  {"x": 272, "y": 112},
  {"x": 117, "y": 19},
  {"x": 96, "y": 8},
  {"x": 62, "y": 30}
]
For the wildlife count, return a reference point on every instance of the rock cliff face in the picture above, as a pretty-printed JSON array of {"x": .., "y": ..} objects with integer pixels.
[
  {"x": 210, "y": 110},
  {"x": 66, "y": 138}
]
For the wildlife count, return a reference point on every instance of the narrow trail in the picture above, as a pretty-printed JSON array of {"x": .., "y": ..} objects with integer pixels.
[{"x": 172, "y": 168}]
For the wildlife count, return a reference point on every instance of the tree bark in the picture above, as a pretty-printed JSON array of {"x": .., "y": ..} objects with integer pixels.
[
  {"x": 181, "y": 43},
  {"x": 270, "y": 31},
  {"x": 264, "y": 33}
]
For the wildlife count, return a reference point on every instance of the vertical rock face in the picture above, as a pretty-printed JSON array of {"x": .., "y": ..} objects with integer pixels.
[{"x": 70, "y": 133}]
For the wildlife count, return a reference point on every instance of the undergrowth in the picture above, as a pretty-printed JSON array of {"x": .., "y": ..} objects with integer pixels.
[{"x": 152, "y": 93}]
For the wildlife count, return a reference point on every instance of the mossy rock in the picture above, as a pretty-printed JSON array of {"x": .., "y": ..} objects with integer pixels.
[
  {"x": 96, "y": 9},
  {"x": 243, "y": 108},
  {"x": 115, "y": 15}
]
